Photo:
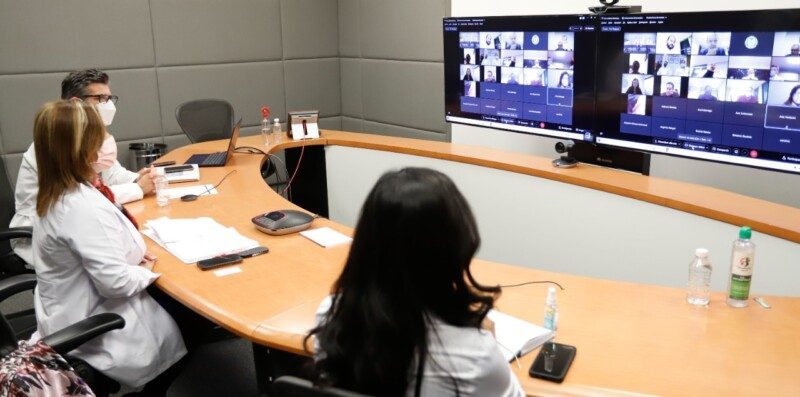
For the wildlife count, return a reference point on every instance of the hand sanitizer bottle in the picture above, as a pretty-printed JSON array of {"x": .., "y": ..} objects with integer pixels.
[
  {"x": 551, "y": 310},
  {"x": 742, "y": 261}
]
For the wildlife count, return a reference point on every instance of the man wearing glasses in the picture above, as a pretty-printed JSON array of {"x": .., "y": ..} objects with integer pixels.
[{"x": 92, "y": 87}]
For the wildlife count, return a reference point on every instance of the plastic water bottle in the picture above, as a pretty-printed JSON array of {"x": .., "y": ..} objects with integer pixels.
[
  {"x": 276, "y": 129},
  {"x": 551, "y": 310},
  {"x": 161, "y": 187},
  {"x": 265, "y": 131},
  {"x": 698, "y": 292},
  {"x": 742, "y": 261}
]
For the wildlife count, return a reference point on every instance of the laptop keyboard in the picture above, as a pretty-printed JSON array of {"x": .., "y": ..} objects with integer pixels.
[{"x": 217, "y": 158}]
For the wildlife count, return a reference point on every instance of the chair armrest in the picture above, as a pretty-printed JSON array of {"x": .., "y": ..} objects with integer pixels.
[
  {"x": 16, "y": 232},
  {"x": 70, "y": 338},
  {"x": 16, "y": 284}
]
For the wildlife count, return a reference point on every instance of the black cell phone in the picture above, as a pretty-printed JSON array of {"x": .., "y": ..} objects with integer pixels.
[
  {"x": 163, "y": 163},
  {"x": 218, "y": 261},
  {"x": 553, "y": 362},
  {"x": 253, "y": 252}
]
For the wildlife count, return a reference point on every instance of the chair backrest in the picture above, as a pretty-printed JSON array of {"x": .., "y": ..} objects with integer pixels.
[
  {"x": 205, "y": 119},
  {"x": 289, "y": 386},
  {"x": 6, "y": 204}
]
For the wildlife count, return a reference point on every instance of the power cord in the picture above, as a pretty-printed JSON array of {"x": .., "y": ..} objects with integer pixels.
[
  {"x": 208, "y": 190},
  {"x": 296, "y": 168},
  {"x": 531, "y": 282}
]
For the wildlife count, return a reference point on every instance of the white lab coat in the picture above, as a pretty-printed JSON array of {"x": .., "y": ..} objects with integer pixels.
[
  {"x": 120, "y": 181},
  {"x": 86, "y": 256}
]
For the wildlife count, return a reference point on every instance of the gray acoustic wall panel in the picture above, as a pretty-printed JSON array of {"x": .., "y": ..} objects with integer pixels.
[
  {"x": 407, "y": 30},
  {"x": 408, "y": 94},
  {"x": 396, "y": 130},
  {"x": 213, "y": 31},
  {"x": 138, "y": 114},
  {"x": 247, "y": 86},
  {"x": 352, "y": 124},
  {"x": 391, "y": 67},
  {"x": 349, "y": 37},
  {"x": 21, "y": 96},
  {"x": 283, "y": 53},
  {"x": 351, "y": 87},
  {"x": 47, "y": 35},
  {"x": 313, "y": 84},
  {"x": 310, "y": 28}
]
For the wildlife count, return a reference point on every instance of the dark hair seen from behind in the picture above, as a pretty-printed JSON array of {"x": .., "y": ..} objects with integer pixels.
[
  {"x": 74, "y": 85},
  {"x": 409, "y": 260}
]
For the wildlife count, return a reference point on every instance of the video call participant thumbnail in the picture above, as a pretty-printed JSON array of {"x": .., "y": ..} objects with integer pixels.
[
  {"x": 711, "y": 43},
  {"x": 561, "y": 41},
  {"x": 787, "y": 44},
  {"x": 467, "y": 73},
  {"x": 673, "y": 43}
]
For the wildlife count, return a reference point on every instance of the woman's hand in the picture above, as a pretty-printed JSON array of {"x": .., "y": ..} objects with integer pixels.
[{"x": 148, "y": 261}]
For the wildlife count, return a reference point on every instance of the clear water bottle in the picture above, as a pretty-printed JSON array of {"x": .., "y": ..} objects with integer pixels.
[
  {"x": 699, "y": 286},
  {"x": 161, "y": 187},
  {"x": 276, "y": 129},
  {"x": 265, "y": 131},
  {"x": 742, "y": 261}
]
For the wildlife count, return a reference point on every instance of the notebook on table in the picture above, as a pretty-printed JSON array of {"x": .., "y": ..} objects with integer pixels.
[
  {"x": 217, "y": 159},
  {"x": 515, "y": 336}
]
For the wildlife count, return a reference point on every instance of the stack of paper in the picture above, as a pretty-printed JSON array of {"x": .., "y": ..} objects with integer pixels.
[
  {"x": 192, "y": 240},
  {"x": 517, "y": 337},
  {"x": 326, "y": 237}
]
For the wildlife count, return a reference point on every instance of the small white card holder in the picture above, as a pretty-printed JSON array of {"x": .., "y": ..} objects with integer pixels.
[{"x": 303, "y": 124}]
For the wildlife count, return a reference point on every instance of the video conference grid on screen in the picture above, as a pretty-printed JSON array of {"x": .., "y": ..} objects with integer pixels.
[
  {"x": 520, "y": 75},
  {"x": 713, "y": 87}
]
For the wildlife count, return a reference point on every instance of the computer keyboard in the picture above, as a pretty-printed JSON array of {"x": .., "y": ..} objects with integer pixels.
[{"x": 217, "y": 158}]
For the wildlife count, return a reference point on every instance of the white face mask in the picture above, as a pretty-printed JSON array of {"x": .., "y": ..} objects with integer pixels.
[
  {"x": 107, "y": 154},
  {"x": 106, "y": 111}
]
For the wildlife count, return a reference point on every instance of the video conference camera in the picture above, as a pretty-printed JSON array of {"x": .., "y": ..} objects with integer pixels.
[
  {"x": 610, "y": 7},
  {"x": 566, "y": 161}
]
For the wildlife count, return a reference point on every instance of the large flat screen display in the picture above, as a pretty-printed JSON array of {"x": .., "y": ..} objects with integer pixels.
[
  {"x": 520, "y": 73},
  {"x": 720, "y": 86}
]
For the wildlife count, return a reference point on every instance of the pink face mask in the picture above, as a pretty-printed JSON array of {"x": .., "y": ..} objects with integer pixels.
[{"x": 107, "y": 155}]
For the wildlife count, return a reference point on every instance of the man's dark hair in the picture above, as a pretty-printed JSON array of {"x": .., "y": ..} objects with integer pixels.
[{"x": 74, "y": 85}]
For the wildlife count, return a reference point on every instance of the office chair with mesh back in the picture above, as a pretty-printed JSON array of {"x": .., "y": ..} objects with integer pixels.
[
  {"x": 290, "y": 386},
  {"x": 10, "y": 263},
  {"x": 205, "y": 119}
]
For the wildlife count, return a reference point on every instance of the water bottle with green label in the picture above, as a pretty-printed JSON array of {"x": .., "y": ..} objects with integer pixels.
[{"x": 742, "y": 261}]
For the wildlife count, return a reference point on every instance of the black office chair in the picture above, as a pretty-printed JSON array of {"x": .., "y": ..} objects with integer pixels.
[
  {"x": 205, "y": 119},
  {"x": 62, "y": 341},
  {"x": 289, "y": 386},
  {"x": 10, "y": 263}
]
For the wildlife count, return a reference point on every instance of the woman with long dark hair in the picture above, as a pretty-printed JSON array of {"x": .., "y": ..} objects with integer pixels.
[{"x": 406, "y": 314}]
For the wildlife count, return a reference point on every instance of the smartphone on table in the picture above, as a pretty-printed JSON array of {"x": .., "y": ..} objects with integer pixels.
[
  {"x": 217, "y": 261},
  {"x": 553, "y": 362}
]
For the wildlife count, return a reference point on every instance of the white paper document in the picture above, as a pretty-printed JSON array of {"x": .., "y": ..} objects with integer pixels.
[
  {"x": 515, "y": 336},
  {"x": 326, "y": 237},
  {"x": 177, "y": 192},
  {"x": 195, "y": 239},
  {"x": 311, "y": 131}
]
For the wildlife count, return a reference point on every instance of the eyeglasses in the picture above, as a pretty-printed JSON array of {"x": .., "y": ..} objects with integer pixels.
[{"x": 103, "y": 98}]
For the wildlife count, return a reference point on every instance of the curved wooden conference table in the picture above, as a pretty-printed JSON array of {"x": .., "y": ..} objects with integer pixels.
[{"x": 631, "y": 338}]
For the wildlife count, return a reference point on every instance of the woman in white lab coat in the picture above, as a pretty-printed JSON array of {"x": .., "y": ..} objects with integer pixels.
[{"x": 88, "y": 256}]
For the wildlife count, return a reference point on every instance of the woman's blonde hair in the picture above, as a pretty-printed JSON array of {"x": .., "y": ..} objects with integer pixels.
[{"x": 67, "y": 135}]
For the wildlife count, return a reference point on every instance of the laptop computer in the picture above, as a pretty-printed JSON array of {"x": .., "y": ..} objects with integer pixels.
[{"x": 217, "y": 159}]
